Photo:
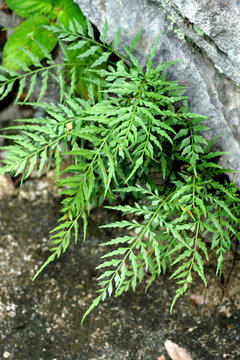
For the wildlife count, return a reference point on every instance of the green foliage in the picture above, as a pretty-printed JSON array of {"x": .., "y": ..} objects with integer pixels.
[
  {"x": 66, "y": 10},
  {"x": 129, "y": 124},
  {"x": 30, "y": 7},
  {"x": 63, "y": 11},
  {"x": 20, "y": 45},
  {"x": 22, "y": 49}
]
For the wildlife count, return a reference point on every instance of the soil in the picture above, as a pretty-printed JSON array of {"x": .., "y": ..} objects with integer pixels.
[{"x": 41, "y": 320}]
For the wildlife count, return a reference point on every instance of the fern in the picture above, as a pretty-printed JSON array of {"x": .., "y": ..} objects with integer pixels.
[
  {"x": 125, "y": 123},
  {"x": 172, "y": 234}
]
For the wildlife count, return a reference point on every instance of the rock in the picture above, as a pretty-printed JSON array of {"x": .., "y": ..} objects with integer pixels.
[
  {"x": 8, "y": 19},
  {"x": 6, "y": 355},
  {"x": 204, "y": 34},
  {"x": 10, "y": 113},
  {"x": 6, "y": 186}
]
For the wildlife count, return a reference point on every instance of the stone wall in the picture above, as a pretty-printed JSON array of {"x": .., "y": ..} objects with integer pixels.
[{"x": 204, "y": 34}]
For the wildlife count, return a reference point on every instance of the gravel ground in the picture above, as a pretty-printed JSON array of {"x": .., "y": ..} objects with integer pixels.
[{"x": 41, "y": 320}]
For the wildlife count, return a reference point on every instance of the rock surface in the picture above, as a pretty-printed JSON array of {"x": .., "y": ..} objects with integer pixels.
[{"x": 204, "y": 34}]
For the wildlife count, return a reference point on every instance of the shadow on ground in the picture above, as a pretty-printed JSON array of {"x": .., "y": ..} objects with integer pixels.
[{"x": 41, "y": 320}]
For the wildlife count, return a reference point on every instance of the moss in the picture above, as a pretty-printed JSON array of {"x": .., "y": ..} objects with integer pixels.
[
  {"x": 180, "y": 34},
  {"x": 174, "y": 27},
  {"x": 169, "y": 2},
  {"x": 198, "y": 30}
]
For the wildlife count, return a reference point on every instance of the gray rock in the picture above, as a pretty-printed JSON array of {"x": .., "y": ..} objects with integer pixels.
[
  {"x": 204, "y": 34},
  {"x": 8, "y": 20}
]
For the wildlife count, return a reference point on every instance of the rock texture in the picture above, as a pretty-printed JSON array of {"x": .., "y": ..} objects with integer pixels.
[{"x": 204, "y": 34}]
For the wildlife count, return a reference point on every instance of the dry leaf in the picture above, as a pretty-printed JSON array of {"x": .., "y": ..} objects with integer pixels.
[
  {"x": 162, "y": 357},
  {"x": 225, "y": 311},
  {"x": 175, "y": 352},
  {"x": 198, "y": 299}
]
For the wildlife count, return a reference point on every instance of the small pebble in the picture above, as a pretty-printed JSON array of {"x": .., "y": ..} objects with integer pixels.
[{"x": 6, "y": 354}]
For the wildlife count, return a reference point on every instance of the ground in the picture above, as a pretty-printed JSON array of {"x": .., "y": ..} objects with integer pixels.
[{"x": 41, "y": 320}]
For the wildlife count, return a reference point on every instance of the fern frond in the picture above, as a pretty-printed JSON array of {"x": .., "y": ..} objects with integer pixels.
[{"x": 117, "y": 123}]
